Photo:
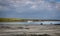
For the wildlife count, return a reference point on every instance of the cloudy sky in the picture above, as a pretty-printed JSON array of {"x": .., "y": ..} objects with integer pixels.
[{"x": 42, "y": 9}]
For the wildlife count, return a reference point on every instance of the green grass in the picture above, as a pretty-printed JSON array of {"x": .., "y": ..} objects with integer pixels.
[{"x": 11, "y": 20}]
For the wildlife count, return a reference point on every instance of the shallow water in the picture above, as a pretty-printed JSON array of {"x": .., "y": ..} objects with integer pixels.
[{"x": 45, "y": 22}]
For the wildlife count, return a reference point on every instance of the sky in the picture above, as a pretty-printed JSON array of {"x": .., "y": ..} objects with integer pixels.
[{"x": 41, "y": 9}]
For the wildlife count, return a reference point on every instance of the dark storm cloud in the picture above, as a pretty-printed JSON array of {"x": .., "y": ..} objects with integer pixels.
[{"x": 30, "y": 8}]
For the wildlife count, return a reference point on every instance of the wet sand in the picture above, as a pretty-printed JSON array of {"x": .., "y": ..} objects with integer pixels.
[{"x": 29, "y": 30}]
